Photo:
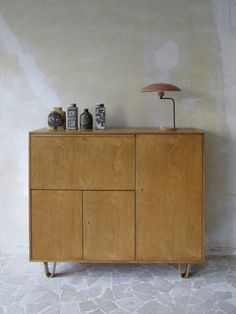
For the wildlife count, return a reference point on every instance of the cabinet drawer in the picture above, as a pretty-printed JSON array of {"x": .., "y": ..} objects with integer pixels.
[
  {"x": 56, "y": 225},
  {"x": 109, "y": 225},
  {"x": 82, "y": 162}
]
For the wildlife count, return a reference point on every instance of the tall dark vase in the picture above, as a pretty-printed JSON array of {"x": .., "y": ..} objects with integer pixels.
[{"x": 86, "y": 120}]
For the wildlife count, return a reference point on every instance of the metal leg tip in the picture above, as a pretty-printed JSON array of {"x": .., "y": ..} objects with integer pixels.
[{"x": 47, "y": 272}]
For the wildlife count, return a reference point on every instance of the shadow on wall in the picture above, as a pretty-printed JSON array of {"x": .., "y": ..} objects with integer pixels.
[{"x": 219, "y": 200}]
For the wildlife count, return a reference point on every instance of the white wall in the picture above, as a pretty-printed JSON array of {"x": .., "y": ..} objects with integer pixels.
[{"x": 55, "y": 52}]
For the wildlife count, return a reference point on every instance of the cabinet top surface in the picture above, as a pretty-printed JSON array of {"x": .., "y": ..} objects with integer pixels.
[{"x": 115, "y": 131}]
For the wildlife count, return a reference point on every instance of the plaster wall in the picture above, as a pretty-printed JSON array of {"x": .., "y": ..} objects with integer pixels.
[{"x": 55, "y": 52}]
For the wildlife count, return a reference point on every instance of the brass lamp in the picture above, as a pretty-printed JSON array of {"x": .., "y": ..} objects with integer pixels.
[{"x": 161, "y": 88}]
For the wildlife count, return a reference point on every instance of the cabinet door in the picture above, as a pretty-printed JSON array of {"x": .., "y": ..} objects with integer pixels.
[
  {"x": 109, "y": 223},
  {"x": 83, "y": 162},
  {"x": 169, "y": 198},
  {"x": 56, "y": 225}
]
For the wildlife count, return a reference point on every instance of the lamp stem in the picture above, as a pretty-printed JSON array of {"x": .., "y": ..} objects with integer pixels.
[{"x": 161, "y": 97}]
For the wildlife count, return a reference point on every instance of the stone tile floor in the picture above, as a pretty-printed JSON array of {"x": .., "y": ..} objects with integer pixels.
[{"x": 120, "y": 289}]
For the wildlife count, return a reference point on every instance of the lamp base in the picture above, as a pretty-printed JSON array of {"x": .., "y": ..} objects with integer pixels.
[{"x": 163, "y": 128}]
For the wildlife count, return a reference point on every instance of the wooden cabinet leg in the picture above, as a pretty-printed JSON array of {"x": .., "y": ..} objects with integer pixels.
[
  {"x": 47, "y": 272},
  {"x": 186, "y": 272}
]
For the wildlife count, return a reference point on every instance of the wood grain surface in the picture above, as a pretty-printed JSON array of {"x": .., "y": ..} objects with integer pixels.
[
  {"x": 114, "y": 131},
  {"x": 169, "y": 208},
  {"x": 86, "y": 163},
  {"x": 56, "y": 225},
  {"x": 109, "y": 225}
]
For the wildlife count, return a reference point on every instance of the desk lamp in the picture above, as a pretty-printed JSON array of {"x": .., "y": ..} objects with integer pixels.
[{"x": 161, "y": 88}]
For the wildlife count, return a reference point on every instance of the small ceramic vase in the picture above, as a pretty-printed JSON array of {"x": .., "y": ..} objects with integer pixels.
[
  {"x": 57, "y": 119},
  {"x": 86, "y": 120},
  {"x": 72, "y": 117},
  {"x": 100, "y": 117}
]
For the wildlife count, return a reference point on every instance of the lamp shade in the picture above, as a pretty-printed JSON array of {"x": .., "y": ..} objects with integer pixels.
[{"x": 160, "y": 87}]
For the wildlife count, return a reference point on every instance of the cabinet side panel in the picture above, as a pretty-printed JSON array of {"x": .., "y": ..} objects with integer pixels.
[
  {"x": 108, "y": 220},
  {"x": 169, "y": 213},
  {"x": 56, "y": 225},
  {"x": 29, "y": 197}
]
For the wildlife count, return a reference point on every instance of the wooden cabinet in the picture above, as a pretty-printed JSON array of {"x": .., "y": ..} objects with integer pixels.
[{"x": 119, "y": 195}]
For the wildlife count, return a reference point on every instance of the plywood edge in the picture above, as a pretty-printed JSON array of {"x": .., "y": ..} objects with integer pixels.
[
  {"x": 115, "y": 131},
  {"x": 120, "y": 261},
  {"x": 29, "y": 198},
  {"x": 203, "y": 194}
]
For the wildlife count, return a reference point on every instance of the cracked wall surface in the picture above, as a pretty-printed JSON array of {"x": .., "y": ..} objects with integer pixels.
[{"x": 56, "y": 52}]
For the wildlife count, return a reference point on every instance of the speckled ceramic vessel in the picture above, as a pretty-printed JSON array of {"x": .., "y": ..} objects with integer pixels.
[
  {"x": 57, "y": 119},
  {"x": 86, "y": 120}
]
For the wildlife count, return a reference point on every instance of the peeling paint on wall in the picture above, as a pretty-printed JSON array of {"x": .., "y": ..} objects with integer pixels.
[
  {"x": 225, "y": 18},
  {"x": 225, "y": 207},
  {"x": 167, "y": 56},
  {"x": 36, "y": 78}
]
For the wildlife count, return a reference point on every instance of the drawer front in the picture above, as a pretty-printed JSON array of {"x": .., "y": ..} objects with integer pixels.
[
  {"x": 56, "y": 225},
  {"x": 109, "y": 225},
  {"x": 82, "y": 162}
]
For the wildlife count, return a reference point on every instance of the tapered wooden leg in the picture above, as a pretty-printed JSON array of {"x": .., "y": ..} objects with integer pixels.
[
  {"x": 186, "y": 272},
  {"x": 47, "y": 272}
]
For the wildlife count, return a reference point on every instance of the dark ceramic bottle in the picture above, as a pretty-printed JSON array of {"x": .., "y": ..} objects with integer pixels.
[{"x": 86, "y": 120}]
